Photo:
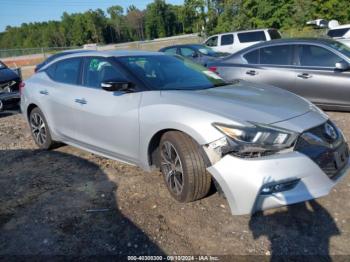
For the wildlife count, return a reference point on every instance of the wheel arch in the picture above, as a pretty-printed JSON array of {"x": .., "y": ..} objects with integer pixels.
[
  {"x": 30, "y": 109},
  {"x": 153, "y": 147}
]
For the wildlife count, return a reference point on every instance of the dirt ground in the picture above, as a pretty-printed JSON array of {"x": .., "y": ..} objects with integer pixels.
[{"x": 70, "y": 202}]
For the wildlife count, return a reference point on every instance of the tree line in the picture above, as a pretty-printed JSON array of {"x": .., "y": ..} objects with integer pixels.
[{"x": 160, "y": 19}]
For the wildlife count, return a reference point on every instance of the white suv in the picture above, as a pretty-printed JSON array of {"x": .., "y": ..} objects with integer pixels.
[{"x": 235, "y": 41}]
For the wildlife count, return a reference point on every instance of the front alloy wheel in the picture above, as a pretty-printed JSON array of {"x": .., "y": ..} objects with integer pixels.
[
  {"x": 183, "y": 167},
  {"x": 172, "y": 168}
]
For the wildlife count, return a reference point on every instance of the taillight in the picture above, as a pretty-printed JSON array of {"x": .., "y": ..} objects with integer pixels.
[
  {"x": 21, "y": 87},
  {"x": 213, "y": 69}
]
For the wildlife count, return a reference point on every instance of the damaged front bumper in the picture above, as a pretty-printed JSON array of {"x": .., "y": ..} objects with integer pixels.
[{"x": 243, "y": 180}]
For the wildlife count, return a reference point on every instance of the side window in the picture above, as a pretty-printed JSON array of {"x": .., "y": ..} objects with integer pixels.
[
  {"x": 338, "y": 32},
  {"x": 310, "y": 55},
  {"x": 277, "y": 55},
  {"x": 187, "y": 52},
  {"x": 274, "y": 34},
  {"x": 97, "y": 70},
  {"x": 212, "y": 41},
  {"x": 251, "y": 36},
  {"x": 50, "y": 71},
  {"x": 66, "y": 71},
  {"x": 170, "y": 51},
  {"x": 252, "y": 57},
  {"x": 227, "y": 39}
]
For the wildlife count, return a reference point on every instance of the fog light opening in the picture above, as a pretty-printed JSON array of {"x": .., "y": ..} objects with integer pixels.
[{"x": 277, "y": 187}]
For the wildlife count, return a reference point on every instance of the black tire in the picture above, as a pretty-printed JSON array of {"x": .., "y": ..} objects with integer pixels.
[
  {"x": 40, "y": 133},
  {"x": 196, "y": 181}
]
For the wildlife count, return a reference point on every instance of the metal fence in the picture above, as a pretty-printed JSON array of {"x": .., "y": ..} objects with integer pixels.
[
  {"x": 155, "y": 44},
  {"x": 43, "y": 51}
]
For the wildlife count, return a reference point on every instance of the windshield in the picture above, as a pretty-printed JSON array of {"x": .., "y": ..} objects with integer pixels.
[
  {"x": 345, "y": 50},
  {"x": 166, "y": 72}
]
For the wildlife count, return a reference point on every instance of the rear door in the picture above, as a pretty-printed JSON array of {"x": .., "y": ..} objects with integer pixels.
[
  {"x": 272, "y": 65},
  {"x": 317, "y": 78},
  {"x": 108, "y": 121},
  {"x": 58, "y": 97}
]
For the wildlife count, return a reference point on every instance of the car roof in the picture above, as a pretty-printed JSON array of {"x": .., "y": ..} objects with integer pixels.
[
  {"x": 244, "y": 31},
  {"x": 181, "y": 45},
  {"x": 340, "y": 27},
  {"x": 75, "y": 51},
  {"x": 114, "y": 53},
  {"x": 324, "y": 41}
]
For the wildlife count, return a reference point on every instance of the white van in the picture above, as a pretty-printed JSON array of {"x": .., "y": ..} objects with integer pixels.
[{"x": 235, "y": 41}]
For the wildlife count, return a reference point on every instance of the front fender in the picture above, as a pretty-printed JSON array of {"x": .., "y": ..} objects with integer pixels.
[{"x": 195, "y": 123}]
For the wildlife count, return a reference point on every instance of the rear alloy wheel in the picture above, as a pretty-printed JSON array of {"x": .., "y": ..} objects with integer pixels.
[
  {"x": 39, "y": 129},
  {"x": 183, "y": 167}
]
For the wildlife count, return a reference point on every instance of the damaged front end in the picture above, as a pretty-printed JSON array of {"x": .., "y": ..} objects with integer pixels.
[{"x": 253, "y": 141}]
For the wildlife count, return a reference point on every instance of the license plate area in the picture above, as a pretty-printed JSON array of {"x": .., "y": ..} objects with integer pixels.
[{"x": 341, "y": 156}]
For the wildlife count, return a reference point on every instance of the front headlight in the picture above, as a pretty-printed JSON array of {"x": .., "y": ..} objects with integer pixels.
[{"x": 257, "y": 138}]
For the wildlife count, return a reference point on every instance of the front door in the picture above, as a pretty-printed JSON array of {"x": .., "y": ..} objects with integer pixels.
[
  {"x": 318, "y": 80},
  {"x": 108, "y": 121}
]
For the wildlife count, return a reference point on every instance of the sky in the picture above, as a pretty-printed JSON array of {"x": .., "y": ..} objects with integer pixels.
[{"x": 16, "y": 12}]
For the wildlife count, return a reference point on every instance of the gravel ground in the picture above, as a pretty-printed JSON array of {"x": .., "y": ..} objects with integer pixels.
[{"x": 70, "y": 202}]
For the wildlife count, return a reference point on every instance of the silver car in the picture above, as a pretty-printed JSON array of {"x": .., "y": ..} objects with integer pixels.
[
  {"x": 317, "y": 69},
  {"x": 262, "y": 146}
]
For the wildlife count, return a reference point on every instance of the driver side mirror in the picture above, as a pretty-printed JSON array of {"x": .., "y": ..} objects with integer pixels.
[
  {"x": 342, "y": 66},
  {"x": 117, "y": 85},
  {"x": 195, "y": 54}
]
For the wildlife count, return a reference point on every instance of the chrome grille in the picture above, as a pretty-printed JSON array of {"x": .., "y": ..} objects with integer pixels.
[{"x": 321, "y": 148}]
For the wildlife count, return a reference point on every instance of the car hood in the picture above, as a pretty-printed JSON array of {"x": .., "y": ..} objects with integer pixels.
[{"x": 243, "y": 101}]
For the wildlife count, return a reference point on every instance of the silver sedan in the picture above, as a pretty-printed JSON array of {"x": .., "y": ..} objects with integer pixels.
[
  {"x": 262, "y": 146},
  {"x": 317, "y": 69}
]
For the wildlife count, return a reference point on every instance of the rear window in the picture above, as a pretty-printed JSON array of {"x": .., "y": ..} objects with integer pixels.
[
  {"x": 252, "y": 57},
  {"x": 251, "y": 36},
  {"x": 274, "y": 34},
  {"x": 337, "y": 32},
  {"x": 227, "y": 39},
  {"x": 170, "y": 51}
]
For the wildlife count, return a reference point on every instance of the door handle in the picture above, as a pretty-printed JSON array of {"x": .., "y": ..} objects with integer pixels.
[
  {"x": 304, "y": 76},
  {"x": 44, "y": 92},
  {"x": 251, "y": 72},
  {"x": 80, "y": 101}
]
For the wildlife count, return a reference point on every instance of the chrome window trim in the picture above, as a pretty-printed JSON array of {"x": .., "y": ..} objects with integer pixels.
[{"x": 296, "y": 44}]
